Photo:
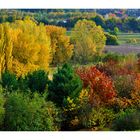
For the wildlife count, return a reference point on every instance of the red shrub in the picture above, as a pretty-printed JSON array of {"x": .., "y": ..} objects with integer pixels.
[
  {"x": 138, "y": 64},
  {"x": 135, "y": 95},
  {"x": 101, "y": 86},
  {"x": 112, "y": 69}
]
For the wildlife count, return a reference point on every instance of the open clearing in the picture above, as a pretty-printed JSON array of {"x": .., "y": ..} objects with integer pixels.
[
  {"x": 124, "y": 38},
  {"x": 123, "y": 49}
]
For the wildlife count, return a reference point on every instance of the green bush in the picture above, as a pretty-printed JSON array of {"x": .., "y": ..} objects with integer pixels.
[
  {"x": 65, "y": 83},
  {"x": 76, "y": 110},
  {"x": 114, "y": 32},
  {"x": 2, "y": 109},
  {"x": 124, "y": 85},
  {"x": 132, "y": 41},
  {"x": 37, "y": 81},
  {"x": 111, "y": 39},
  {"x": 100, "y": 117},
  {"x": 9, "y": 81},
  {"x": 26, "y": 114},
  {"x": 138, "y": 55},
  {"x": 23, "y": 84},
  {"x": 128, "y": 120},
  {"x": 112, "y": 56},
  {"x": 97, "y": 59}
]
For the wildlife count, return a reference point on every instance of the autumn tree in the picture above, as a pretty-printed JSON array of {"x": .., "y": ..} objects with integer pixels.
[
  {"x": 102, "y": 91},
  {"x": 89, "y": 40},
  {"x": 24, "y": 47},
  {"x": 31, "y": 48},
  {"x": 6, "y": 46},
  {"x": 62, "y": 50}
]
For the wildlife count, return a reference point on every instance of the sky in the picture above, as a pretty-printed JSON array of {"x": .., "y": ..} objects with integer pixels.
[{"x": 70, "y": 4}]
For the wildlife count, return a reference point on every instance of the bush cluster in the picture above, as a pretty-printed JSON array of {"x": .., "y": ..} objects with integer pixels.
[
  {"x": 111, "y": 39},
  {"x": 84, "y": 98}
]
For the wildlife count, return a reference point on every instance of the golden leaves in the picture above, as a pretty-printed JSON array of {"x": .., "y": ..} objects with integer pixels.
[
  {"x": 88, "y": 39},
  {"x": 25, "y": 46},
  {"x": 62, "y": 50}
]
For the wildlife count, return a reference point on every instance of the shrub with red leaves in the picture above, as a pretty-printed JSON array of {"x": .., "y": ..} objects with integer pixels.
[
  {"x": 113, "y": 69},
  {"x": 101, "y": 86},
  {"x": 135, "y": 95},
  {"x": 110, "y": 68},
  {"x": 138, "y": 64}
]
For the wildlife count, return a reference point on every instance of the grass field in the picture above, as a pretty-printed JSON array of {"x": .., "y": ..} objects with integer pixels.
[
  {"x": 128, "y": 43},
  {"x": 129, "y": 38}
]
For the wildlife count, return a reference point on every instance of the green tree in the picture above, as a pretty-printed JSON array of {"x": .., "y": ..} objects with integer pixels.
[
  {"x": 131, "y": 24},
  {"x": 65, "y": 83},
  {"x": 9, "y": 81},
  {"x": 116, "y": 29},
  {"x": 30, "y": 114},
  {"x": 128, "y": 120},
  {"x": 111, "y": 23},
  {"x": 2, "y": 109},
  {"x": 37, "y": 81},
  {"x": 111, "y": 39},
  {"x": 99, "y": 20}
]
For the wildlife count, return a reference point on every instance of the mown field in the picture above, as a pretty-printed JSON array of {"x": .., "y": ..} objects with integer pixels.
[
  {"x": 129, "y": 38},
  {"x": 125, "y": 38},
  {"x": 128, "y": 43},
  {"x": 123, "y": 49}
]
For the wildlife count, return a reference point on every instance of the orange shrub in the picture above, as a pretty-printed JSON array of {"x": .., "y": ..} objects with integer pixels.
[
  {"x": 110, "y": 68},
  {"x": 101, "y": 87},
  {"x": 123, "y": 102},
  {"x": 135, "y": 95},
  {"x": 138, "y": 64},
  {"x": 134, "y": 99}
]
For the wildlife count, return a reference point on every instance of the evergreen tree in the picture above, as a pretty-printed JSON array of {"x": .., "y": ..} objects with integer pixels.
[
  {"x": 37, "y": 81},
  {"x": 9, "y": 81},
  {"x": 65, "y": 83}
]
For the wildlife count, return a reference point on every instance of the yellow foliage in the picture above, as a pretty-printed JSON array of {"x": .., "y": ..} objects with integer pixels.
[
  {"x": 6, "y": 46},
  {"x": 73, "y": 104},
  {"x": 62, "y": 50},
  {"x": 21, "y": 69},
  {"x": 25, "y": 46},
  {"x": 84, "y": 95},
  {"x": 89, "y": 40}
]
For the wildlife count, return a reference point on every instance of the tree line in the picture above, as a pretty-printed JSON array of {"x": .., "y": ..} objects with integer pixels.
[
  {"x": 26, "y": 46},
  {"x": 67, "y": 19}
]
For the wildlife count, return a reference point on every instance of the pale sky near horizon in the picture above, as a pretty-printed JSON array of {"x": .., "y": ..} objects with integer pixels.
[{"x": 70, "y": 4}]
